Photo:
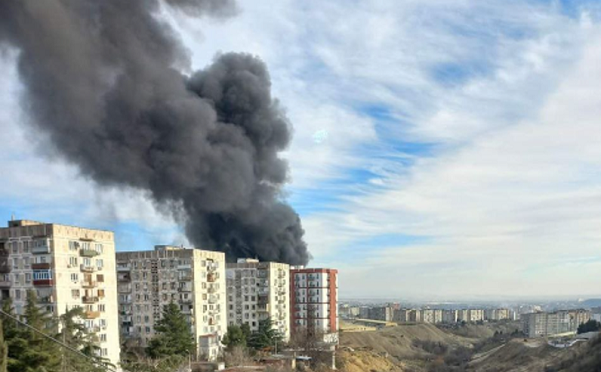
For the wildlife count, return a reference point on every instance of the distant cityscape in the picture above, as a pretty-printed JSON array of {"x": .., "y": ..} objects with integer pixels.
[{"x": 534, "y": 321}]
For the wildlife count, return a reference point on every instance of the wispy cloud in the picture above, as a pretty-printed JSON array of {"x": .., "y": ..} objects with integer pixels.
[{"x": 448, "y": 147}]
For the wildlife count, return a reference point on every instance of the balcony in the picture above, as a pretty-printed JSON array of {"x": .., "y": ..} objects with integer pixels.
[
  {"x": 184, "y": 289},
  {"x": 92, "y": 314},
  {"x": 211, "y": 277},
  {"x": 88, "y": 253},
  {"x": 212, "y": 289},
  {"x": 213, "y": 299},
  {"x": 87, "y": 269},
  {"x": 89, "y": 299},
  {"x": 89, "y": 284},
  {"x": 211, "y": 267},
  {"x": 122, "y": 268},
  {"x": 40, "y": 249},
  {"x": 5, "y": 283},
  {"x": 124, "y": 278},
  {"x": 43, "y": 282},
  {"x": 5, "y": 268},
  {"x": 46, "y": 300},
  {"x": 40, "y": 266}
]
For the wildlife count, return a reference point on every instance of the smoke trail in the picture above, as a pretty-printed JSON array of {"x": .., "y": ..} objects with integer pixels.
[{"x": 103, "y": 81}]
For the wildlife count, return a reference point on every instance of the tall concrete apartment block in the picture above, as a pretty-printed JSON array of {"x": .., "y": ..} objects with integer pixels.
[
  {"x": 193, "y": 279},
  {"x": 67, "y": 267},
  {"x": 257, "y": 291},
  {"x": 314, "y": 301},
  {"x": 561, "y": 322}
]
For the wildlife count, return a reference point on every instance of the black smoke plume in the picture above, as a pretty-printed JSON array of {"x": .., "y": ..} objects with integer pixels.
[{"x": 103, "y": 81}]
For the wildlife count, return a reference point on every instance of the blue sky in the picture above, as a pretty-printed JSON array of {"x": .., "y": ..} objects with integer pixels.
[{"x": 442, "y": 149}]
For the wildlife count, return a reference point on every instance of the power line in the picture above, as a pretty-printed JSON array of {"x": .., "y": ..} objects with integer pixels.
[{"x": 71, "y": 349}]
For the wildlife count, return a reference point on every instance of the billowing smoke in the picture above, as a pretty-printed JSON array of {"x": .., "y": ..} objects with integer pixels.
[{"x": 103, "y": 81}]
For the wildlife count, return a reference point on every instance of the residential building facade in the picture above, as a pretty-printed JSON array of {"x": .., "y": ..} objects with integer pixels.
[
  {"x": 193, "y": 279},
  {"x": 314, "y": 301},
  {"x": 562, "y": 322},
  {"x": 257, "y": 291},
  {"x": 67, "y": 267}
]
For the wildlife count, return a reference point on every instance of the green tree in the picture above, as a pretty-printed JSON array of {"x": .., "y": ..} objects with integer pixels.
[
  {"x": 266, "y": 337},
  {"x": 173, "y": 336},
  {"x": 234, "y": 337},
  {"x": 3, "y": 350},
  {"x": 30, "y": 351},
  {"x": 75, "y": 335},
  {"x": 590, "y": 326},
  {"x": 246, "y": 331}
]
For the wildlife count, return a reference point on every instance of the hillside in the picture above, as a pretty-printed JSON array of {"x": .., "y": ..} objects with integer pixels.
[{"x": 427, "y": 348}]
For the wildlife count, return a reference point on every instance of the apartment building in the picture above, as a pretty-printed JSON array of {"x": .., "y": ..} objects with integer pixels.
[
  {"x": 450, "y": 316},
  {"x": 384, "y": 313},
  {"x": 194, "y": 279},
  {"x": 427, "y": 315},
  {"x": 67, "y": 267},
  {"x": 496, "y": 314},
  {"x": 257, "y": 291},
  {"x": 542, "y": 324},
  {"x": 475, "y": 315},
  {"x": 314, "y": 301}
]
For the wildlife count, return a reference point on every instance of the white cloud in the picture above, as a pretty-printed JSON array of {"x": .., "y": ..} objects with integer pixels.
[{"x": 507, "y": 200}]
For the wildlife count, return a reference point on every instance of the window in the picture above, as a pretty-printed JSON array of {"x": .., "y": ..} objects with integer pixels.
[
  {"x": 100, "y": 278},
  {"x": 15, "y": 263},
  {"x": 75, "y": 293},
  {"x": 72, "y": 261},
  {"x": 42, "y": 275},
  {"x": 18, "y": 294},
  {"x": 27, "y": 277},
  {"x": 101, "y": 308},
  {"x": 74, "y": 277},
  {"x": 101, "y": 293},
  {"x": 87, "y": 261},
  {"x": 26, "y": 246},
  {"x": 26, "y": 261},
  {"x": 103, "y": 337},
  {"x": 98, "y": 248}
]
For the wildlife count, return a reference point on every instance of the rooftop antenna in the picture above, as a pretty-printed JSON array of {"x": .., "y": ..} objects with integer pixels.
[{"x": 12, "y": 216}]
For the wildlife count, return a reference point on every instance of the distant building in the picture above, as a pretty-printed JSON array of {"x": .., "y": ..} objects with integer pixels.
[
  {"x": 475, "y": 315},
  {"x": 384, "y": 313},
  {"x": 449, "y": 316},
  {"x": 67, "y": 267},
  {"x": 257, "y": 291},
  {"x": 415, "y": 316},
  {"x": 463, "y": 315},
  {"x": 314, "y": 301},
  {"x": 193, "y": 279},
  {"x": 401, "y": 316},
  {"x": 494, "y": 315},
  {"x": 427, "y": 315},
  {"x": 437, "y": 316},
  {"x": 542, "y": 324}
]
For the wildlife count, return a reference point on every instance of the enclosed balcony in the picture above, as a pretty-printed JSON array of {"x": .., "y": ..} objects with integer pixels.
[
  {"x": 211, "y": 277},
  {"x": 43, "y": 282},
  {"x": 92, "y": 314},
  {"x": 5, "y": 267},
  {"x": 4, "y": 283},
  {"x": 88, "y": 253},
  {"x": 40, "y": 266},
  {"x": 46, "y": 299},
  {"x": 42, "y": 248},
  {"x": 89, "y": 299}
]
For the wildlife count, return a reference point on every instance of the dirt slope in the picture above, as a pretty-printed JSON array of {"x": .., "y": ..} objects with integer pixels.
[{"x": 397, "y": 342}]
